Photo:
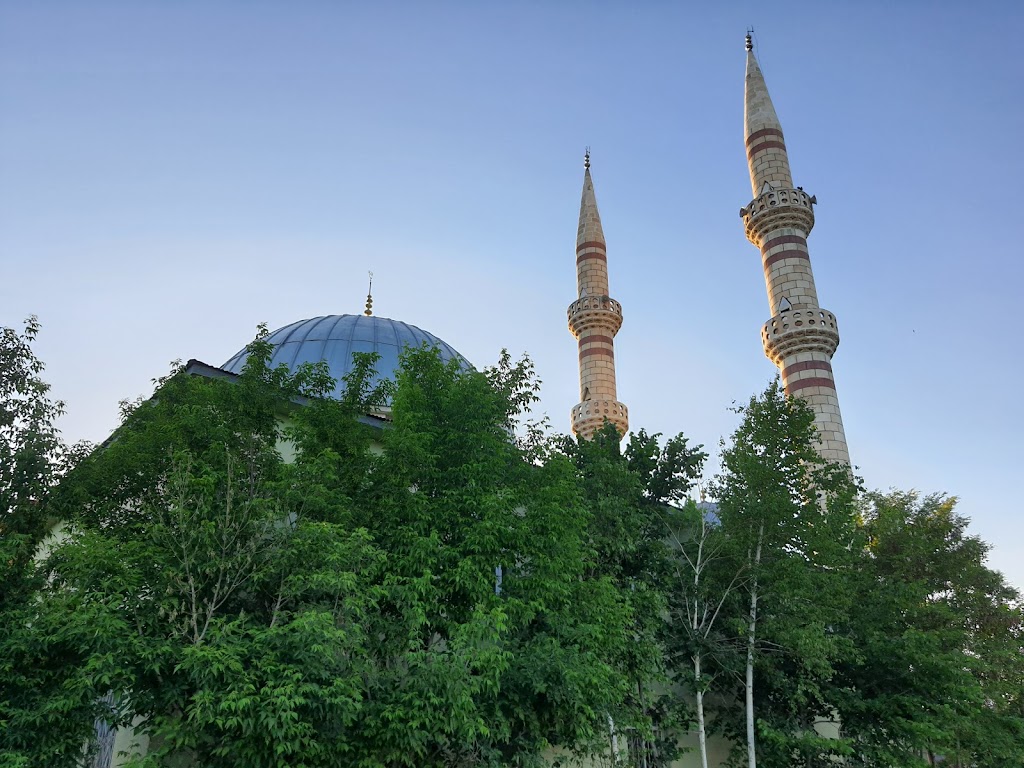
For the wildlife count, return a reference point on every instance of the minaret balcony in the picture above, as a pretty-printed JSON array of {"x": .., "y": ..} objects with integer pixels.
[
  {"x": 800, "y": 330},
  {"x": 594, "y": 312},
  {"x": 589, "y": 416},
  {"x": 777, "y": 208}
]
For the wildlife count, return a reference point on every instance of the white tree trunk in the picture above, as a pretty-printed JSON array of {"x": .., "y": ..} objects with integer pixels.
[
  {"x": 751, "y": 753},
  {"x": 751, "y": 637},
  {"x": 701, "y": 733}
]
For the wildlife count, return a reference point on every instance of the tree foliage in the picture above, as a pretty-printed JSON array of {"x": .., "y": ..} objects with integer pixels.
[
  {"x": 874, "y": 633},
  {"x": 426, "y": 593},
  {"x": 787, "y": 526},
  {"x": 32, "y": 455},
  {"x": 250, "y": 572},
  {"x": 940, "y": 648},
  {"x": 32, "y": 459},
  {"x": 628, "y": 492}
]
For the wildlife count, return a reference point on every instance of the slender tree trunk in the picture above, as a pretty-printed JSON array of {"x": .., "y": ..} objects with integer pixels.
[
  {"x": 614, "y": 740},
  {"x": 650, "y": 751},
  {"x": 698, "y": 677},
  {"x": 751, "y": 637},
  {"x": 701, "y": 734},
  {"x": 751, "y": 628}
]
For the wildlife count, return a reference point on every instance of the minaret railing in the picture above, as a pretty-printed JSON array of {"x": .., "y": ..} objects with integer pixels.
[
  {"x": 800, "y": 330},
  {"x": 778, "y": 208},
  {"x": 594, "y": 312}
]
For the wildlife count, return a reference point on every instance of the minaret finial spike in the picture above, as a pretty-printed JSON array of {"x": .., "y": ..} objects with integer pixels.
[
  {"x": 369, "y": 297},
  {"x": 750, "y": 39},
  {"x": 586, "y": 158}
]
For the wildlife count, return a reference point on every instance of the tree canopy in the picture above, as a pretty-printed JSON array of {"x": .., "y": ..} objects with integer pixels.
[
  {"x": 249, "y": 572},
  {"x": 938, "y": 670},
  {"x": 422, "y": 593}
]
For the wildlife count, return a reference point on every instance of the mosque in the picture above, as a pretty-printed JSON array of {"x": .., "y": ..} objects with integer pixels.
[{"x": 800, "y": 337}]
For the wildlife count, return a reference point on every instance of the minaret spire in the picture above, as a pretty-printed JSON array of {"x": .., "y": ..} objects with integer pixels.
[
  {"x": 801, "y": 337},
  {"x": 762, "y": 129},
  {"x": 594, "y": 319}
]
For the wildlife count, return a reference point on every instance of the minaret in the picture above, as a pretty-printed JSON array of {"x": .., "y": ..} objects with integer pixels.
[
  {"x": 594, "y": 319},
  {"x": 801, "y": 337}
]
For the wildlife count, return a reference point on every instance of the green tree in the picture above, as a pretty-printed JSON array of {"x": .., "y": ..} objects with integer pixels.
[
  {"x": 32, "y": 459},
  {"x": 422, "y": 594},
  {"x": 493, "y": 590},
  {"x": 170, "y": 601},
  {"x": 938, "y": 661},
  {"x": 630, "y": 493},
  {"x": 32, "y": 456},
  {"x": 787, "y": 516},
  {"x": 702, "y": 603}
]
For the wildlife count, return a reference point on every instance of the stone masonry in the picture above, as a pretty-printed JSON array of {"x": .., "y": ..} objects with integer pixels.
[
  {"x": 594, "y": 319},
  {"x": 801, "y": 337}
]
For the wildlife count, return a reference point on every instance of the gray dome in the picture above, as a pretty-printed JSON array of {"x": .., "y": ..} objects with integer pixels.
[{"x": 334, "y": 338}]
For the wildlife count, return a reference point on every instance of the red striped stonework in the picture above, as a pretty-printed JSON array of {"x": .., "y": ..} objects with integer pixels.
[
  {"x": 763, "y": 146},
  {"x": 595, "y": 339},
  {"x": 808, "y": 365},
  {"x": 595, "y": 255},
  {"x": 776, "y": 257},
  {"x": 596, "y": 351},
  {"x": 784, "y": 240},
  {"x": 804, "y": 383},
  {"x": 591, "y": 244},
  {"x": 763, "y": 132}
]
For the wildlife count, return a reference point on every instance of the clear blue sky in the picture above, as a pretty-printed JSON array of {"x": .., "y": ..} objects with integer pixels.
[{"x": 171, "y": 174}]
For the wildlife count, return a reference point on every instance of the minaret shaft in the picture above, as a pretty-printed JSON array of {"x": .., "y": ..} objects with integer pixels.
[
  {"x": 594, "y": 319},
  {"x": 801, "y": 337}
]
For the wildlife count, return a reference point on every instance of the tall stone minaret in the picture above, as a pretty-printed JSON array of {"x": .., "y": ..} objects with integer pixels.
[
  {"x": 594, "y": 319},
  {"x": 801, "y": 337}
]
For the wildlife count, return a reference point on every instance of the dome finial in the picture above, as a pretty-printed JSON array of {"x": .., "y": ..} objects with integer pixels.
[
  {"x": 749, "y": 39},
  {"x": 369, "y": 297},
  {"x": 586, "y": 158}
]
